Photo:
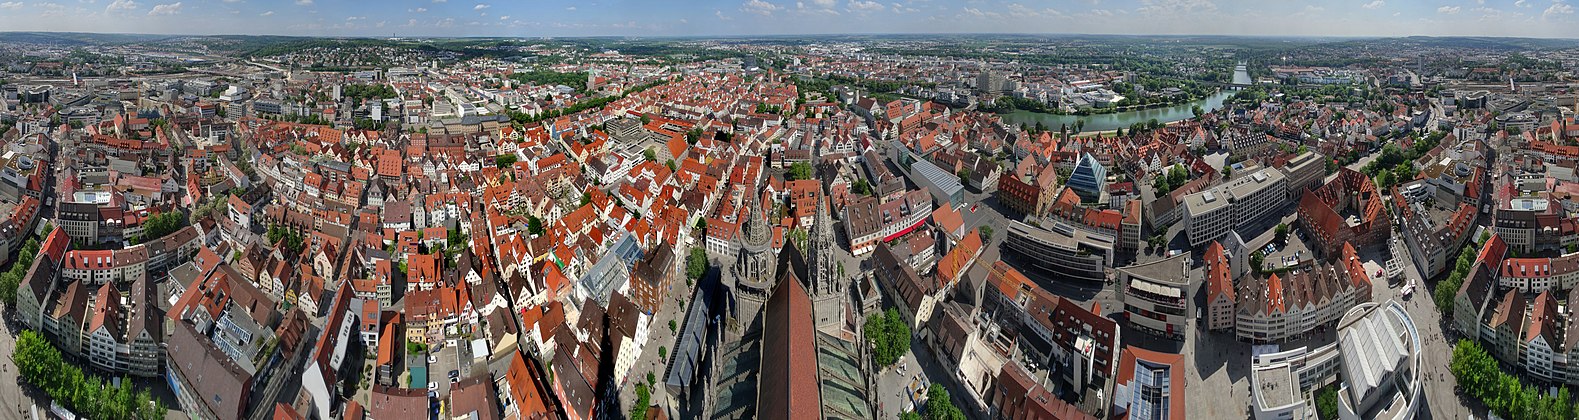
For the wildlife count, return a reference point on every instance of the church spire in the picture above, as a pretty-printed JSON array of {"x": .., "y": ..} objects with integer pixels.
[{"x": 824, "y": 277}]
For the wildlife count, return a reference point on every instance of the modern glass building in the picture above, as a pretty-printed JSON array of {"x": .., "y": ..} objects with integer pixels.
[{"x": 1088, "y": 178}]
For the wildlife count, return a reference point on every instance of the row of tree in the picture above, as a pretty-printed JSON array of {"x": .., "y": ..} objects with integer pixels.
[
  {"x": 576, "y": 80},
  {"x": 1447, "y": 289},
  {"x": 42, "y": 365},
  {"x": 1479, "y": 377},
  {"x": 12, "y": 279},
  {"x": 523, "y": 118}
]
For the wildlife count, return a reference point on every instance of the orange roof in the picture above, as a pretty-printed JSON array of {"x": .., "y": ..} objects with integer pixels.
[
  {"x": 1543, "y": 318},
  {"x": 1274, "y": 291},
  {"x": 1219, "y": 276},
  {"x": 948, "y": 218},
  {"x": 953, "y": 265},
  {"x": 524, "y": 391}
]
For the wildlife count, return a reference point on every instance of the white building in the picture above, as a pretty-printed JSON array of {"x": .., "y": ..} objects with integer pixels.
[{"x": 1375, "y": 366}]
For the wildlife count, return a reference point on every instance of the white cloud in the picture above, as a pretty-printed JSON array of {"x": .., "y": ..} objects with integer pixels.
[
  {"x": 1101, "y": 12},
  {"x": 440, "y": 1},
  {"x": 571, "y": 8},
  {"x": 121, "y": 5},
  {"x": 721, "y": 16},
  {"x": 1375, "y": 5},
  {"x": 978, "y": 13},
  {"x": 165, "y": 9},
  {"x": 11, "y": 5},
  {"x": 481, "y": 6},
  {"x": 1020, "y": 10},
  {"x": 304, "y": 2},
  {"x": 268, "y": 13},
  {"x": 1175, "y": 7},
  {"x": 865, "y": 6},
  {"x": 51, "y": 9},
  {"x": 1522, "y": 3},
  {"x": 760, "y": 7},
  {"x": 1447, "y": 10},
  {"x": 1557, "y": 9},
  {"x": 505, "y": 17},
  {"x": 823, "y": 3},
  {"x": 355, "y": 18},
  {"x": 418, "y": 10},
  {"x": 901, "y": 8},
  {"x": 231, "y": 1}
]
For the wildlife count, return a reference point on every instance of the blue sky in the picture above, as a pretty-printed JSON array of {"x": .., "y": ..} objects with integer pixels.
[{"x": 1537, "y": 18}]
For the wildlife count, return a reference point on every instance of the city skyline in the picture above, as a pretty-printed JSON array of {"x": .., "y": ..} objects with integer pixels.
[{"x": 425, "y": 18}]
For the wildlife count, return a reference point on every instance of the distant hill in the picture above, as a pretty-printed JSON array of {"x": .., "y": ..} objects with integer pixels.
[{"x": 76, "y": 38}]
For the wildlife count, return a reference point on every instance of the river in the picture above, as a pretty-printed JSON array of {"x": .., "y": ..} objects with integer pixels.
[{"x": 1106, "y": 122}]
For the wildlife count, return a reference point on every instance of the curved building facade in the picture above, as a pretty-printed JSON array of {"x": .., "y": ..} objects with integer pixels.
[{"x": 1065, "y": 251}]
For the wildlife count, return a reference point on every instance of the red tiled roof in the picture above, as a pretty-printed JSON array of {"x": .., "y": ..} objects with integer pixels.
[{"x": 1219, "y": 276}]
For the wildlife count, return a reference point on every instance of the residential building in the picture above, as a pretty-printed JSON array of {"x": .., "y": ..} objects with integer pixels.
[{"x": 1220, "y": 298}]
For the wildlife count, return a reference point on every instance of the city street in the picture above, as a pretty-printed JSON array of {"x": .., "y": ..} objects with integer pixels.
[
  {"x": 1439, "y": 395},
  {"x": 17, "y": 397},
  {"x": 659, "y": 336}
]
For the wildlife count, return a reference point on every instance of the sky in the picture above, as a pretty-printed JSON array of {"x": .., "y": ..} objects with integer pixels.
[{"x": 561, "y": 18}]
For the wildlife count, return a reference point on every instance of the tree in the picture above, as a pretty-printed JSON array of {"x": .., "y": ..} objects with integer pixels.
[
  {"x": 504, "y": 161},
  {"x": 670, "y": 164},
  {"x": 12, "y": 279},
  {"x": 862, "y": 187},
  {"x": 1281, "y": 233},
  {"x": 651, "y": 154},
  {"x": 940, "y": 407},
  {"x": 1480, "y": 378},
  {"x": 643, "y": 400},
  {"x": 985, "y": 232},
  {"x": 799, "y": 171},
  {"x": 696, "y": 264},
  {"x": 1327, "y": 402},
  {"x": 159, "y": 225},
  {"x": 889, "y": 336},
  {"x": 1197, "y": 111},
  {"x": 40, "y": 364},
  {"x": 964, "y": 176},
  {"x": 534, "y": 225},
  {"x": 673, "y": 326}
]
